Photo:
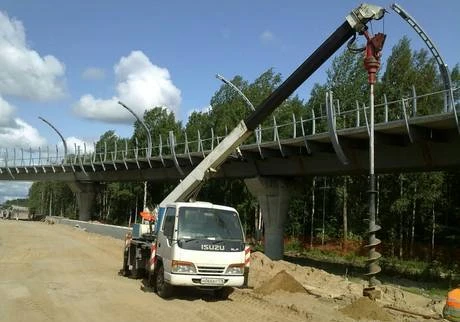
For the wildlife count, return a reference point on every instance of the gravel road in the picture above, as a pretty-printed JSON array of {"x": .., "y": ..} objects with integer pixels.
[{"x": 60, "y": 273}]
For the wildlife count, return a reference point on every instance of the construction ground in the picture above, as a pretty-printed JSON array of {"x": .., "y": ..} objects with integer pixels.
[{"x": 59, "y": 273}]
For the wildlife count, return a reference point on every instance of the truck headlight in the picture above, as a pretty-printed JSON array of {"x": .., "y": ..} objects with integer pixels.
[
  {"x": 182, "y": 267},
  {"x": 235, "y": 269}
]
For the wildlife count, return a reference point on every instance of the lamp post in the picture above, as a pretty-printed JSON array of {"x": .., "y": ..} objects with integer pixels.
[
  {"x": 251, "y": 106},
  {"x": 149, "y": 138},
  {"x": 236, "y": 89},
  {"x": 149, "y": 147},
  {"x": 59, "y": 133}
]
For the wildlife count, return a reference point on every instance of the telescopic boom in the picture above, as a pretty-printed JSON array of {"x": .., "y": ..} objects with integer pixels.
[{"x": 355, "y": 23}]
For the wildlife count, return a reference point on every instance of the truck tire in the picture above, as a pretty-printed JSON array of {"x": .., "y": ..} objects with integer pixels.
[
  {"x": 223, "y": 293},
  {"x": 163, "y": 288}
]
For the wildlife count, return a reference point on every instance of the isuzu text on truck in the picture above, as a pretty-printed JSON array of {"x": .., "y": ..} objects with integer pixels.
[{"x": 202, "y": 245}]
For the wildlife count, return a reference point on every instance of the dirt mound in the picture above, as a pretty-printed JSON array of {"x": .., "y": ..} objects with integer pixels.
[
  {"x": 315, "y": 280},
  {"x": 281, "y": 281},
  {"x": 365, "y": 309}
]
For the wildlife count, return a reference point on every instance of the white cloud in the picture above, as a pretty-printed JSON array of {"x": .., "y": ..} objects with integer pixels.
[
  {"x": 204, "y": 109},
  {"x": 73, "y": 144},
  {"x": 141, "y": 86},
  {"x": 266, "y": 37},
  {"x": 15, "y": 132},
  {"x": 6, "y": 113},
  {"x": 93, "y": 73},
  {"x": 20, "y": 135},
  {"x": 14, "y": 190},
  {"x": 24, "y": 73}
]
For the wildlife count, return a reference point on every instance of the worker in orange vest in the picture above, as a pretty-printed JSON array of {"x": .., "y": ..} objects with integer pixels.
[{"x": 451, "y": 310}]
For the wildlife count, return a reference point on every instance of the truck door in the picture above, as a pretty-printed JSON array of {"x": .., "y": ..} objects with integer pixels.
[{"x": 165, "y": 238}]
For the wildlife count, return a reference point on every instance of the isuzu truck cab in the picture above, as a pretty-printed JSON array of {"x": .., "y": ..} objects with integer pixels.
[
  {"x": 196, "y": 244},
  {"x": 199, "y": 244}
]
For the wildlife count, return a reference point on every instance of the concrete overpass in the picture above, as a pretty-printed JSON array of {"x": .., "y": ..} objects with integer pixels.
[
  {"x": 333, "y": 143},
  {"x": 319, "y": 145}
]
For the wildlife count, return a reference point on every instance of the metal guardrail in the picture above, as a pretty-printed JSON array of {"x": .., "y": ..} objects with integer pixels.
[
  {"x": 39, "y": 160},
  {"x": 117, "y": 232}
]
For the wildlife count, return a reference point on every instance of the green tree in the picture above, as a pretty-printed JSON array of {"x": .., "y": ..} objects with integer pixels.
[
  {"x": 347, "y": 79},
  {"x": 159, "y": 121}
]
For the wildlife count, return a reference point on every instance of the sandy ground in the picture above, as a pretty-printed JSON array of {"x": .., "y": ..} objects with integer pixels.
[{"x": 59, "y": 273}]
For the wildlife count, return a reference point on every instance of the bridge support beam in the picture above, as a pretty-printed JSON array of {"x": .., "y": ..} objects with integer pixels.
[
  {"x": 86, "y": 198},
  {"x": 273, "y": 196}
]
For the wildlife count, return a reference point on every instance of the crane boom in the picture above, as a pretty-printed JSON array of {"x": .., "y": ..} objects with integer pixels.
[{"x": 355, "y": 22}]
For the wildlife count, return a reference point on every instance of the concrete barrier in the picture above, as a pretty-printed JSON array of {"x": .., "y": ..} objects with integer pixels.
[{"x": 118, "y": 232}]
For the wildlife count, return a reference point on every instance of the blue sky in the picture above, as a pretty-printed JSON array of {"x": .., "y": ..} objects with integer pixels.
[{"x": 79, "y": 57}]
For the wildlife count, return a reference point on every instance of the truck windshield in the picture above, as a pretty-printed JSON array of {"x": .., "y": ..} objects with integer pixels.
[{"x": 208, "y": 223}]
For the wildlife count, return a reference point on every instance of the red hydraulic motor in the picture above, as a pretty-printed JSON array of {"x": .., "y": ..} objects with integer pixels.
[{"x": 373, "y": 52}]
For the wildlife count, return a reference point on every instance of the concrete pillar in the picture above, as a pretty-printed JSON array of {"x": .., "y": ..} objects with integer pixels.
[
  {"x": 273, "y": 196},
  {"x": 86, "y": 198}
]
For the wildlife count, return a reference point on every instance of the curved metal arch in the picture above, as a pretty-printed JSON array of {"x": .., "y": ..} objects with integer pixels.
[
  {"x": 305, "y": 141},
  {"x": 149, "y": 137},
  {"x": 23, "y": 164},
  {"x": 276, "y": 136},
  {"x": 60, "y": 135},
  {"x": 172, "y": 143},
  {"x": 40, "y": 159},
  {"x": 14, "y": 163},
  {"x": 258, "y": 133},
  {"x": 187, "y": 149},
  {"x": 431, "y": 46},
  {"x": 294, "y": 126},
  {"x": 160, "y": 151},
  {"x": 366, "y": 120},
  {"x": 82, "y": 167},
  {"x": 114, "y": 156},
  {"x": 406, "y": 120},
  {"x": 6, "y": 164},
  {"x": 236, "y": 89},
  {"x": 124, "y": 154},
  {"x": 200, "y": 144},
  {"x": 136, "y": 153},
  {"x": 357, "y": 114},
  {"x": 313, "y": 122},
  {"x": 92, "y": 158},
  {"x": 333, "y": 131},
  {"x": 212, "y": 139},
  {"x": 102, "y": 162}
]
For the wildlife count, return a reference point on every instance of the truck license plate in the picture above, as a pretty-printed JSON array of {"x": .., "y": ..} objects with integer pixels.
[{"x": 212, "y": 281}]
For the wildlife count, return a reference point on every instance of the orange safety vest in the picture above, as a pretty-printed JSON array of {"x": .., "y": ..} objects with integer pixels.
[
  {"x": 453, "y": 299},
  {"x": 147, "y": 216}
]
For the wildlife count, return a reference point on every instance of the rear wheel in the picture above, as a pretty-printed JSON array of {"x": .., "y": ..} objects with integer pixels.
[
  {"x": 125, "y": 269},
  {"x": 163, "y": 288}
]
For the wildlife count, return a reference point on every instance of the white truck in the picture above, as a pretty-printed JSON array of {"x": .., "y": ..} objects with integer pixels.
[
  {"x": 198, "y": 244},
  {"x": 202, "y": 245}
]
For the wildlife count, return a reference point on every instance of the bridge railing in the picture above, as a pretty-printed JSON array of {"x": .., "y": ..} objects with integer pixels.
[{"x": 345, "y": 117}]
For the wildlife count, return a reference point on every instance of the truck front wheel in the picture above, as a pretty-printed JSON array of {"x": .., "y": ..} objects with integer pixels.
[
  {"x": 163, "y": 288},
  {"x": 223, "y": 293}
]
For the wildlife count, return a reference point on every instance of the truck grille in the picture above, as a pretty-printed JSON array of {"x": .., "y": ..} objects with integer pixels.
[{"x": 210, "y": 270}]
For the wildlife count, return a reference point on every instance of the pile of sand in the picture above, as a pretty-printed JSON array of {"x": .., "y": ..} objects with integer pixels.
[
  {"x": 327, "y": 285},
  {"x": 365, "y": 309},
  {"x": 266, "y": 276},
  {"x": 281, "y": 281}
]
